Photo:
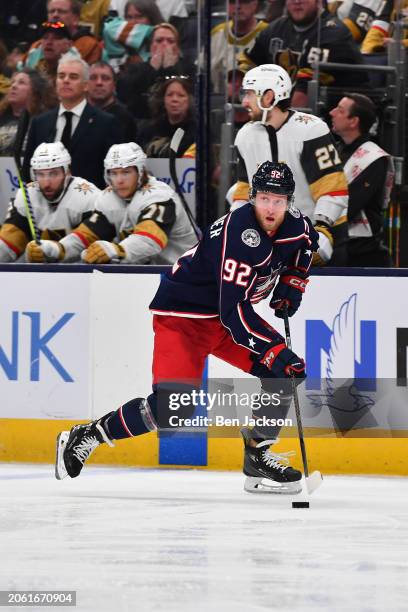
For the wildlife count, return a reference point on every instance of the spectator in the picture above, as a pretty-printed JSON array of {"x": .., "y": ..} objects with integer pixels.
[
  {"x": 127, "y": 39},
  {"x": 55, "y": 43},
  {"x": 143, "y": 11},
  {"x": 165, "y": 60},
  {"x": 87, "y": 132},
  {"x": 29, "y": 91},
  {"x": 138, "y": 219},
  {"x": 172, "y": 107},
  {"x": 15, "y": 58},
  {"x": 68, "y": 13},
  {"x": 4, "y": 74},
  {"x": 274, "y": 9},
  {"x": 369, "y": 174},
  {"x": 20, "y": 20},
  {"x": 306, "y": 34},
  {"x": 228, "y": 40},
  {"x": 168, "y": 8},
  {"x": 359, "y": 16},
  {"x": 93, "y": 13},
  {"x": 381, "y": 30},
  {"x": 102, "y": 93},
  {"x": 59, "y": 202}
]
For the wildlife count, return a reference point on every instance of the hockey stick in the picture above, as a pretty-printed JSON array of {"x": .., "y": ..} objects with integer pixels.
[
  {"x": 174, "y": 147},
  {"x": 21, "y": 132},
  {"x": 315, "y": 479}
]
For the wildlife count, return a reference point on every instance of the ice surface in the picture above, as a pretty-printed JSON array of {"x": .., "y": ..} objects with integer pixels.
[{"x": 194, "y": 541}]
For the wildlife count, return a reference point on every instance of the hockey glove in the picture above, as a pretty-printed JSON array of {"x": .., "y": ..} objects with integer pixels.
[
  {"x": 47, "y": 251},
  {"x": 283, "y": 363},
  {"x": 325, "y": 251},
  {"x": 102, "y": 251},
  {"x": 288, "y": 292}
]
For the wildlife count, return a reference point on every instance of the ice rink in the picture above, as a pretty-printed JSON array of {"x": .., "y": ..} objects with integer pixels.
[{"x": 194, "y": 541}]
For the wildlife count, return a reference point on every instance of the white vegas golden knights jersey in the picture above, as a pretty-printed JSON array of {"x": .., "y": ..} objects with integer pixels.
[
  {"x": 152, "y": 228},
  {"x": 305, "y": 144},
  {"x": 79, "y": 198},
  {"x": 53, "y": 220}
]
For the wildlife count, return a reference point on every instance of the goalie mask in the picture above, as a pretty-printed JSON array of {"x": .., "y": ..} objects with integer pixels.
[
  {"x": 125, "y": 155},
  {"x": 265, "y": 77},
  {"x": 274, "y": 177},
  {"x": 50, "y": 155}
]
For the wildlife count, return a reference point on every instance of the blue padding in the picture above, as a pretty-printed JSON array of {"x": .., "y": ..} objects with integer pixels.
[
  {"x": 186, "y": 448},
  {"x": 183, "y": 448}
]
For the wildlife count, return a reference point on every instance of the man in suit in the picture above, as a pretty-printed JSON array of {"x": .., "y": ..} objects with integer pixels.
[{"x": 86, "y": 132}]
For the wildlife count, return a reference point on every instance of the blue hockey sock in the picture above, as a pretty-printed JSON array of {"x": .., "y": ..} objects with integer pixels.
[{"x": 130, "y": 420}]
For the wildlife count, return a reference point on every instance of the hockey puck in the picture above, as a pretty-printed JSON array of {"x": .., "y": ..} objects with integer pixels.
[{"x": 300, "y": 505}]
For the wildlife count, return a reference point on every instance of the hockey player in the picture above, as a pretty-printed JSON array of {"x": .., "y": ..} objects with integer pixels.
[
  {"x": 204, "y": 306},
  {"x": 304, "y": 142},
  {"x": 59, "y": 200},
  {"x": 137, "y": 219}
]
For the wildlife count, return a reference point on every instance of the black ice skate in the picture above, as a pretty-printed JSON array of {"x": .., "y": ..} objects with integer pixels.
[
  {"x": 76, "y": 446},
  {"x": 268, "y": 472}
]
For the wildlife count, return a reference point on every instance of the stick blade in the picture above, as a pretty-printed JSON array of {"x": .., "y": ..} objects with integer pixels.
[
  {"x": 313, "y": 481},
  {"x": 176, "y": 139}
]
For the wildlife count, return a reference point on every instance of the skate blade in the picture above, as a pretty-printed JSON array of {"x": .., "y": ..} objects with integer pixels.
[
  {"x": 263, "y": 485},
  {"x": 313, "y": 481},
  {"x": 60, "y": 470}
]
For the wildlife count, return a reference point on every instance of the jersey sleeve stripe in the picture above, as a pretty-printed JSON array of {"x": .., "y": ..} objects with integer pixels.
[
  {"x": 248, "y": 328},
  {"x": 11, "y": 246},
  {"x": 188, "y": 315},
  {"x": 265, "y": 261},
  {"x": 82, "y": 238},
  {"x": 285, "y": 240},
  {"x": 148, "y": 235},
  {"x": 335, "y": 181},
  {"x": 335, "y": 193}
]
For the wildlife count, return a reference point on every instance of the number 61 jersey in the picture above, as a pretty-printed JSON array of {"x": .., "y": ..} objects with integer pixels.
[
  {"x": 235, "y": 265},
  {"x": 304, "y": 143}
]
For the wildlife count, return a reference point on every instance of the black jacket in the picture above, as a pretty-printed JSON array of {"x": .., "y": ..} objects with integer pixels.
[{"x": 94, "y": 134}]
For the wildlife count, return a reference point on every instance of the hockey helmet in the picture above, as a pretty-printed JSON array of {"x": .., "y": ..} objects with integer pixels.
[
  {"x": 273, "y": 177},
  {"x": 265, "y": 77},
  {"x": 125, "y": 155},
  {"x": 49, "y": 155}
]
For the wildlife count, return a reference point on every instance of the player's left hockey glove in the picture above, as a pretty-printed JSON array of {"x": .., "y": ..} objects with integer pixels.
[
  {"x": 46, "y": 251},
  {"x": 323, "y": 255},
  {"x": 282, "y": 362},
  {"x": 288, "y": 292},
  {"x": 102, "y": 251}
]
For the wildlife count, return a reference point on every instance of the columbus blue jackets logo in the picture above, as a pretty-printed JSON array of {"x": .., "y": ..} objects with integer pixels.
[{"x": 251, "y": 238}]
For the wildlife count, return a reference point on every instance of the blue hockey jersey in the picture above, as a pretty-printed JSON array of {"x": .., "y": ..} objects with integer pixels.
[{"x": 235, "y": 265}]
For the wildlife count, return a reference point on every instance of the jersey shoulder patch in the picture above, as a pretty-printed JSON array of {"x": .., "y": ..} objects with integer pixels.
[
  {"x": 155, "y": 191},
  {"x": 307, "y": 127}
]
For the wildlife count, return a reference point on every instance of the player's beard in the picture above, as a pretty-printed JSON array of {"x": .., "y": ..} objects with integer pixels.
[{"x": 255, "y": 114}]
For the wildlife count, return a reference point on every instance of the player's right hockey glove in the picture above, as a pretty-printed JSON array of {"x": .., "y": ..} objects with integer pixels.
[
  {"x": 288, "y": 292},
  {"x": 325, "y": 251},
  {"x": 282, "y": 362},
  {"x": 102, "y": 251},
  {"x": 46, "y": 251}
]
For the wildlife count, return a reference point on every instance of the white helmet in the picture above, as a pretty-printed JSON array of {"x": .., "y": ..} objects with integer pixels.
[
  {"x": 268, "y": 76},
  {"x": 50, "y": 155},
  {"x": 125, "y": 155}
]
